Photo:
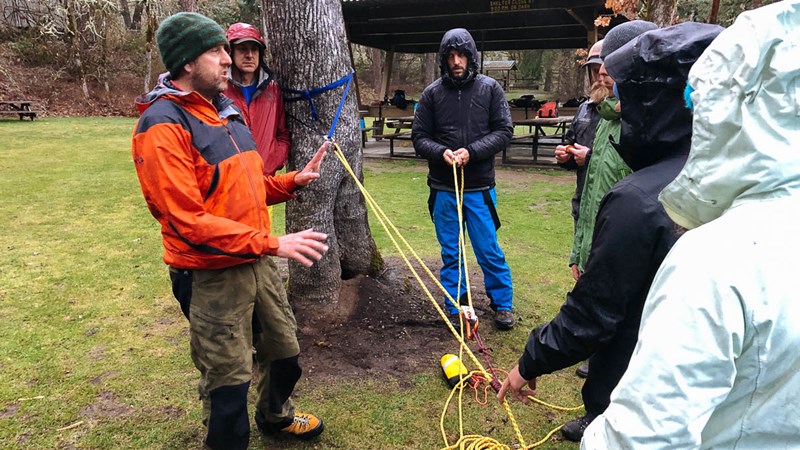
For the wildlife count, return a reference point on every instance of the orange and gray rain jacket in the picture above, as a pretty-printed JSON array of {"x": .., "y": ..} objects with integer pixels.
[{"x": 202, "y": 179}]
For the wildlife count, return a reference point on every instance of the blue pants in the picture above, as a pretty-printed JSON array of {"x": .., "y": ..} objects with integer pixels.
[{"x": 479, "y": 217}]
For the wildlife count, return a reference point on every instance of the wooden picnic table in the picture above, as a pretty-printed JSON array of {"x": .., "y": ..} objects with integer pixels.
[
  {"x": 402, "y": 131},
  {"x": 23, "y": 108},
  {"x": 537, "y": 135}
]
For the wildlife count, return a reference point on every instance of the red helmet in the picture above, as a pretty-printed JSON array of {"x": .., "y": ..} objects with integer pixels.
[{"x": 241, "y": 32}]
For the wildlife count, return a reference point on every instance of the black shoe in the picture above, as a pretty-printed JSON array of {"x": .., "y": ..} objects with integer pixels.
[
  {"x": 573, "y": 430},
  {"x": 504, "y": 320},
  {"x": 583, "y": 370}
]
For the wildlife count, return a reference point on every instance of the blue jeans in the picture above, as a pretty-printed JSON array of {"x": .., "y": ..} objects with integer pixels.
[{"x": 479, "y": 217}]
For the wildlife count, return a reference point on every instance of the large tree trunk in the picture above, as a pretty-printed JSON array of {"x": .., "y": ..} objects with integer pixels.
[
  {"x": 661, "y": 12},
  {"x": 309, "y": 50},
  {"x": 126, "y": 14}
]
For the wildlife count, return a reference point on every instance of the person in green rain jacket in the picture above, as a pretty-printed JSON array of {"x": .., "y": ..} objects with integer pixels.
[{"x": 605, "y": 169}]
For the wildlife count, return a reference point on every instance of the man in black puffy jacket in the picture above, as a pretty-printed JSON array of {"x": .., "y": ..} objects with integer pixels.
[{"x": 463, "y": 119}]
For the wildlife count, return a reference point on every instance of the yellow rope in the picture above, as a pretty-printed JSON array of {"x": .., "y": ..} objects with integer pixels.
[
  {"x": 465, "y": 442},
  {"x": 386, "y": 223}
]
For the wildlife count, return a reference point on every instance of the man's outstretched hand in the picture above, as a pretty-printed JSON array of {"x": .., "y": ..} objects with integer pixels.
[
  {"x": 311, "y": 171},
  {"x": 303, "y": 246},
  {"x": 514, "y": 384}
]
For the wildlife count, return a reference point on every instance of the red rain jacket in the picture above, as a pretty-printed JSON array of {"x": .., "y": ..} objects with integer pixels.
[{"x": 266, "y": 118}]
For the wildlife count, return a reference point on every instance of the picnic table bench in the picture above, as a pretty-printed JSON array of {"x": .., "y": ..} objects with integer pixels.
[
  {"x": 538, "y": 136},
  {"x": 22, "y": 108},
  {"x": 402, "y": 132}
]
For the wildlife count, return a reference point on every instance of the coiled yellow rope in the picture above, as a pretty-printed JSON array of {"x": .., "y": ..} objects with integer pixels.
[{"x": 465, "y": 442}]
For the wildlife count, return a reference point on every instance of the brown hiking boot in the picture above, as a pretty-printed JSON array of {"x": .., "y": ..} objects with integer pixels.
[{"x": 504, "y": 320}]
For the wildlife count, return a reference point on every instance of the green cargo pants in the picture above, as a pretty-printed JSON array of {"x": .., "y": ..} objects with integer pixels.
[{"x": 221, "y": 305}]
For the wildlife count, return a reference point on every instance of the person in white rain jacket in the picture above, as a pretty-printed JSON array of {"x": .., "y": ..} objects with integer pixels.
[{"x": 716, "y": 364}]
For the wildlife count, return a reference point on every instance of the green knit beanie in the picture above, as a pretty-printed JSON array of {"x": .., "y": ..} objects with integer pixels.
[{"x": 184, "y": 36}]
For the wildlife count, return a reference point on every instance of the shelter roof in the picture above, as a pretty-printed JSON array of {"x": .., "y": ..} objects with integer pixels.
[
  {"x": 500, "y": 65},
  {"x": 417, "y": 26}
]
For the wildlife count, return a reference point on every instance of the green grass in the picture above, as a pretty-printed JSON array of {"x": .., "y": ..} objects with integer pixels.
[{"x": 91, "y": 336}]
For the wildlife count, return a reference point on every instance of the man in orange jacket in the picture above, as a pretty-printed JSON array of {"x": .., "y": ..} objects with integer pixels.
[{"x": 202, "y": 179}]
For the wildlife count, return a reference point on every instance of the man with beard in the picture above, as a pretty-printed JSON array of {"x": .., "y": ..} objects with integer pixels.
[
  {"x": 582, "y": 130},
  {"x": 716, "y": 362},
  {"x": 463, "y": 120},
  {"x": 633, "y": 234},
  {"x": 606, "y": 167},
  {"x": 582, "y": 135},
  {"x": 203, "y": 182}
]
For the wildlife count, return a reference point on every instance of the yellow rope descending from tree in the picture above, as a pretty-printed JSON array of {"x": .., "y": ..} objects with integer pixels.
[{"x": 465, "y": 442}]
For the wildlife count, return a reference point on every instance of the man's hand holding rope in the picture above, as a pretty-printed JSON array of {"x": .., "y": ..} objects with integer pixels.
[
  {"x": 459, "y": 157},
  {"x": 514, "y": 384}
]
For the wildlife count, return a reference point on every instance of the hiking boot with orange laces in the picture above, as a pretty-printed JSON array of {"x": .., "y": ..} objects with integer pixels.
[{"x": 304, "y": 426}]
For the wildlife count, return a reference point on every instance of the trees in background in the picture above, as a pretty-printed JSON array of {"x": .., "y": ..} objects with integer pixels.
[{"x": 96, "y": 41}]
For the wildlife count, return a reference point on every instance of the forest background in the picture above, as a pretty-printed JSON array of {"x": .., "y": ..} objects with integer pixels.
[{"x": 93, "y": 57}]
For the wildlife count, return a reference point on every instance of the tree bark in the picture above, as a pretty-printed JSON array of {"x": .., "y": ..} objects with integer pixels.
[
  {"x": 74, "y": 44},
  {"x": 712, "y": 18},
  {"x": 309, "y": 50},
  {"x": 150, "y": 32},
  {"x": 377, "y": 64},
  {"x": 188, "y": 5},
  {"x": 126, "y": 13},
  {"x": 136, "y": 18},
  {"x": 430, "y": 66},
  {"x": 661, "y": 12}
]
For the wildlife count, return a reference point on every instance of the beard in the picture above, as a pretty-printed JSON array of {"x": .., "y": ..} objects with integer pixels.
[
  {"x": 598, "y": 92},
  {"x": 207, "y": 84}
]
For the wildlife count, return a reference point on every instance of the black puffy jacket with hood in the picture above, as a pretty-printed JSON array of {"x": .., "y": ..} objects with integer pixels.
[
  {"x": 633, "y": 233},
  {"x": 469, "y": 113}
]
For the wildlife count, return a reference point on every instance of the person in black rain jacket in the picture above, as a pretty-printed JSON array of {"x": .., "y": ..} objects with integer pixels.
[{"x": 633, "y": 233}]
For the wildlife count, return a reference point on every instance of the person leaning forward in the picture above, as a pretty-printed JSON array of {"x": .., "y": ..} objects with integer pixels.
[
  {"x": 202, "y": 179},
  {"x": 463, "y": 119}
]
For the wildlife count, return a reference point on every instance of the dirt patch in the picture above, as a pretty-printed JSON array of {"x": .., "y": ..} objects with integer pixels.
[
  {"x": 9, "y": 410},
  {"x": 97, "y": 353},
  {"x": 381, "y": 326},
  {"x": 105, "y": 405}
]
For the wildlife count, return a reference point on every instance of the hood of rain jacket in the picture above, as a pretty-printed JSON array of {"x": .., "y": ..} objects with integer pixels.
[
  {"x": 460, "y": 40},
  {"x": 740, "y": 151},
  {"x": 650, "y": 72}
]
